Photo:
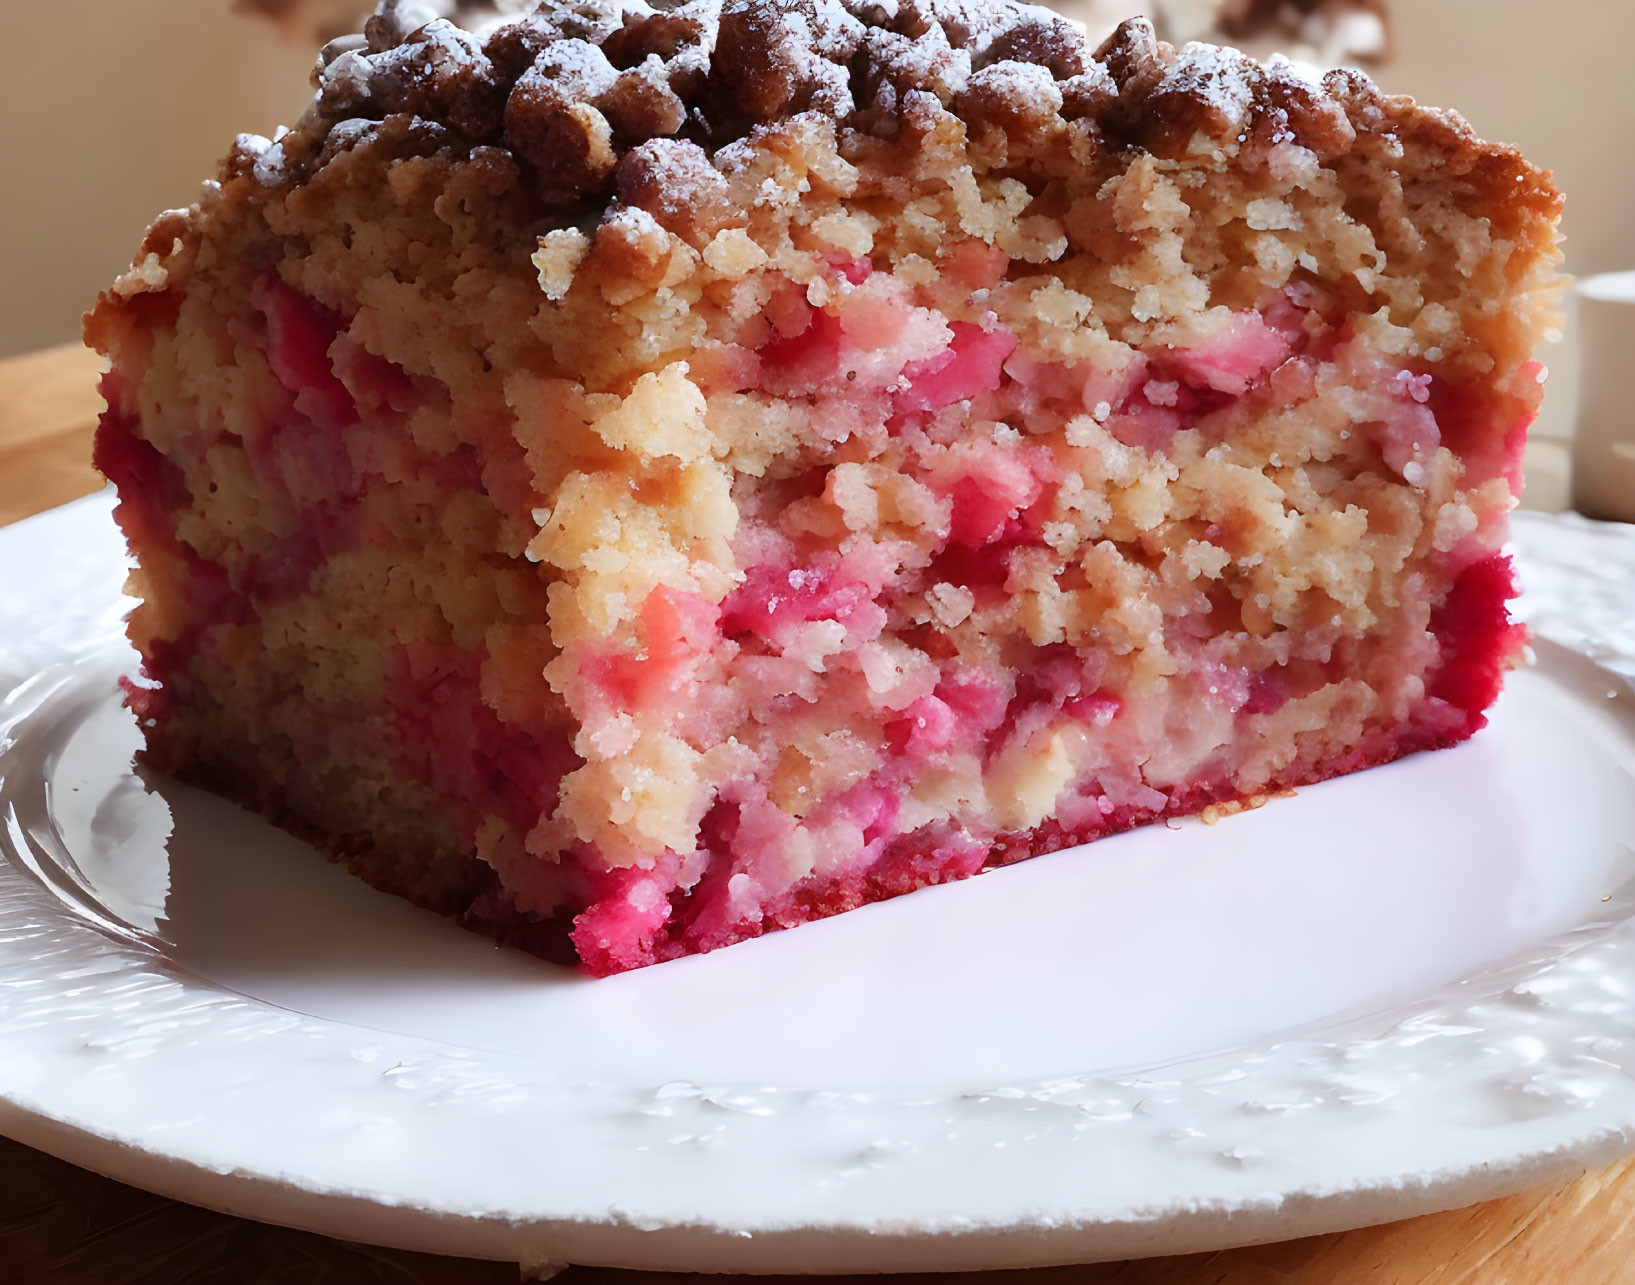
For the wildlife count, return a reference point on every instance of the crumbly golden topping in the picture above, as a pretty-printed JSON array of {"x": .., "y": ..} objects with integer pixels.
[{"x": 577, "y": 93}]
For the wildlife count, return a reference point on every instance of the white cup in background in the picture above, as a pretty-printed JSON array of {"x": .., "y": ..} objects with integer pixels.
[{"x": 1603, "y": 483}]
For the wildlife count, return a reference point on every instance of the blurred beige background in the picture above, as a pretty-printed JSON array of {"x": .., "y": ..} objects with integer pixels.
[
  {"x": 120, "y": 107},
  {"x": 116, "y": 110}
]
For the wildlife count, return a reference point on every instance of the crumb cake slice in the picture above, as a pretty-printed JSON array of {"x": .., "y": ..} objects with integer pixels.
[{"x": 644, "y": 478}]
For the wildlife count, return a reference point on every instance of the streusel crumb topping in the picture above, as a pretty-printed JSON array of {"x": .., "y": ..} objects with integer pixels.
[{"x": 577, "y": 92}]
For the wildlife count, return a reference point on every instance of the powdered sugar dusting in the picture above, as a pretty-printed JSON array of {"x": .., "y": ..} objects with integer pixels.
[
  {"x": 574, "y": 90},
  {"x": 1024, "y": 84},
  {"x": 1224, "y": 80}
]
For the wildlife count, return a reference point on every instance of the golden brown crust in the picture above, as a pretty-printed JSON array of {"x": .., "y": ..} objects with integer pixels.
[{"x": 577, "y": 95}]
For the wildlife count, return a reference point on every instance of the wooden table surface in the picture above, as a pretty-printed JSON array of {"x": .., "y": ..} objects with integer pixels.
[{"x": 65, "y": 1226}]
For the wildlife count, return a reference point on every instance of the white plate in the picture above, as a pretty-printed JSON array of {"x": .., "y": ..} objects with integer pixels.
[{"x": 1393, "y": 993}]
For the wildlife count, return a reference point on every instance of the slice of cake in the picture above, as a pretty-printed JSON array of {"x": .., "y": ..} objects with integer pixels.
[{"x": 651, "y": 477}]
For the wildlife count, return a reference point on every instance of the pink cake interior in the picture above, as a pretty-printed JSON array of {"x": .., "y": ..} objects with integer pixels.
[{"x": 833, "y": 635}]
